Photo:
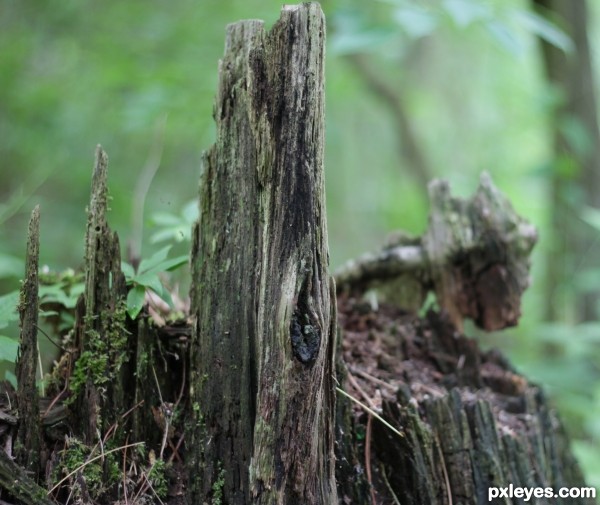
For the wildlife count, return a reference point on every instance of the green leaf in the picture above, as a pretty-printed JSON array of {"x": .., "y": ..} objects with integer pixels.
[
  {"x": 154, "y": 260},
  {"x": 592, "y": 217},
  {"x": 10, "y": 266},
  {"x": 150, "y": 280},
  {"x": 128, "y": 271},
  {"x": 170, "y": 264},
  {"x": 415, "y": 21},
  {"x": 465, "y": 12},
  {"x": 164, "y": 266},
  {"x": 8, "y": 348},
  {"x": 48, "y": 313},
  {"x": 169, "y": 234},
  {"x": 8, "y": 308},
  {"x": 165, "y": 219},
  {"x": 135, "y": 300},
  {"x": 544, "y": 29},
  {"x": 504, "y": 36},
  {"x": 10, "y": 377},
  {"x": 190, "y": 212},
  {"x": 55, "y": 293}
]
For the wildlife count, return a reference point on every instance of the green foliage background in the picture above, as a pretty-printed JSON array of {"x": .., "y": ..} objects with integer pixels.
[{"x": 139, "y": 75}]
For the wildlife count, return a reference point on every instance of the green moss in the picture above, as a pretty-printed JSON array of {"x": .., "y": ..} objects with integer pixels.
[
  {"x": 105, "y": 354},
  {"x": 158, "y": 478},
  {"x": 197, "y": 413},
  {"x": 217, "y": 487},
  {"x": 100, "y": 476}
]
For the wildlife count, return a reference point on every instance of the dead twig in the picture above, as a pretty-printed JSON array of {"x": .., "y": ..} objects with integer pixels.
[{"x": 368, "y": 459}]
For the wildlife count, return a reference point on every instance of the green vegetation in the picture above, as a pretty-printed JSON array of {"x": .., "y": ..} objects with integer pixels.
[
  {"x": 158, "y": 478},
  {"x": 105, "y": 354},
  {"x": 217, "y": 488},
  {"x": 147, "y": 277},
  {"x": 98, "y": 476}
]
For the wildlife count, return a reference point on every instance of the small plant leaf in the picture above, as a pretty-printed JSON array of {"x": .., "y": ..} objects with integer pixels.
[
  {"x": 169, "y": 265},
  {"x": 544, "y": 29},
  {"x": 10, "y": 266},
  {"x": 150, "y": 280},
  {"x": 128, "y": 271},
  {"x": 8, "y": 308},
  {"x": 465, "y": 12},
  {"x": 155, "y": 260},
  {"x": 55, "y": 293},
  {"x": 135, "y": 300},
  {"x": 415, "y": 21},
  {"x": 591, "y": 216},
  {"x": 8, "y": 348},
  {"x": 10, "y": 377},
  {"x": 505, "y": 36}
]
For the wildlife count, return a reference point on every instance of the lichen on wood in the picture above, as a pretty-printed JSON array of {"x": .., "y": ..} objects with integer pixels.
[{"x": 262, "y": 394}]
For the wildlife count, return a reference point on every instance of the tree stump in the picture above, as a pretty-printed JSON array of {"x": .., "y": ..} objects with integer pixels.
[
  {"x": 262, "y": 385},
  {"x": 423, "y": 417},
  {"x": 434, "y": 419}
]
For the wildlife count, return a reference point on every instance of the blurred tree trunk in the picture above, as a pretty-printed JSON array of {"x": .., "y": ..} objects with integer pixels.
[
  {"x": 409, "y": 146},
  {"x": 576, "y": 171}
]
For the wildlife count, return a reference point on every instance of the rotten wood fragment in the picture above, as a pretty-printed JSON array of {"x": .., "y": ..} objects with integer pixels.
[
  {"x": 15, "y": 480},
  {"x": 262, "y": 387},
  {"x": 474, "y": 257},
  {"x": 29, "y": 439}
]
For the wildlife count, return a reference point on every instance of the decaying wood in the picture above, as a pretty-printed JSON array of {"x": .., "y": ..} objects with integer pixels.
[
  {"x": 262, "y": 397},
  {"x": 15, "y": 480},
  {"x": 439, "y": 420},
  {"x": 468, "y": 421},
  {"x": 29, "y": 441},
  {"x": 474, "y": 257},
  {"x": 101, "y": 333}
]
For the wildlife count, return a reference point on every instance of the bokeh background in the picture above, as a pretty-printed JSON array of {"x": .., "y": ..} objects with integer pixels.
[{"x": 416, "y": 89}]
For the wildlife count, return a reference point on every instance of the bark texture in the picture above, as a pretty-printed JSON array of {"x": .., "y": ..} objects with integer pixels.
[
  {"x": 262, "y": 390},
  {"x": 15, "y": 480},
  {"x": 101, "y": 333},
  {"x": 29, "y": 439}
]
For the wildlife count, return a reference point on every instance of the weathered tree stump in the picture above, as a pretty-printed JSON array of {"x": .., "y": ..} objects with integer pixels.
[
  {"x": 262, "y": 397},
  {"x": 468, "y": 422}
]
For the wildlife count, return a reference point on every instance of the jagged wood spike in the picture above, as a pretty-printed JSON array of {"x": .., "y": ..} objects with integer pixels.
[
  {"x": 29, "y": 440},
  {"x": 100, "y": 326}
]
